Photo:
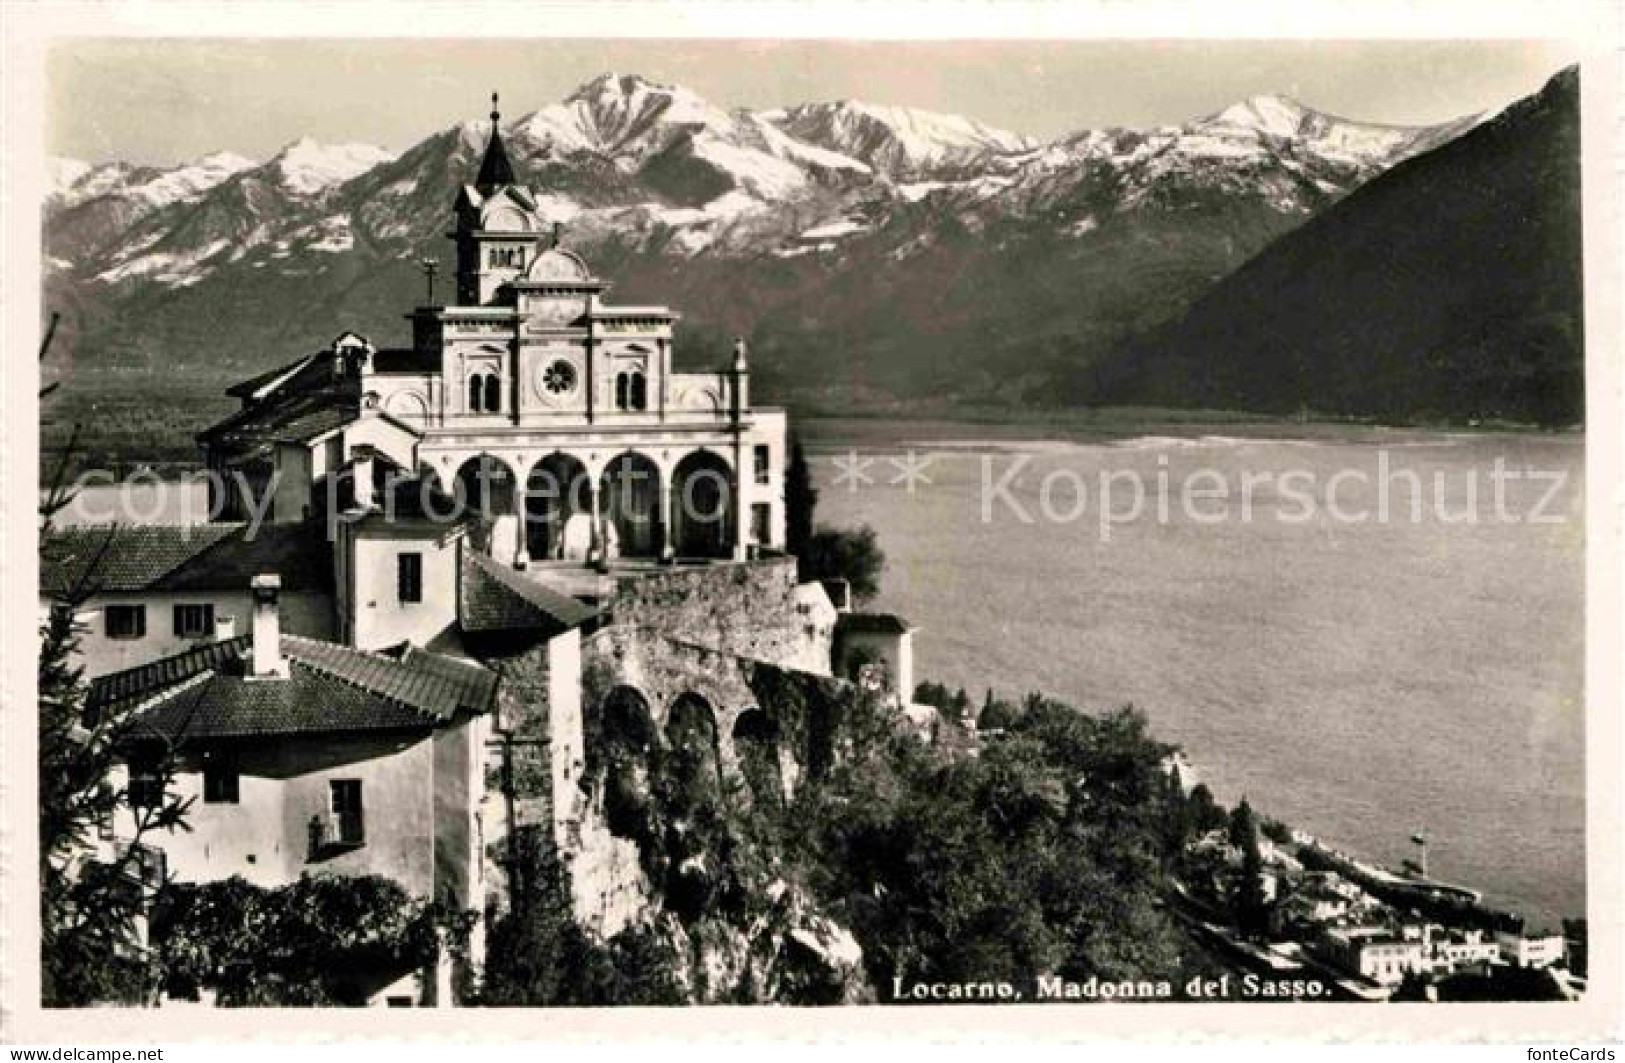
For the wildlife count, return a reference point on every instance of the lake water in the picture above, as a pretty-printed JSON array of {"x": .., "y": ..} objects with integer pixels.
[{"x": 1358, "y": 679}]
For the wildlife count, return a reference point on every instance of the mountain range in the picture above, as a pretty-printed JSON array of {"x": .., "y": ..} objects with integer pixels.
[
  {"x": 1449, "y": 289},
  {"x": 874, "y": 255}
]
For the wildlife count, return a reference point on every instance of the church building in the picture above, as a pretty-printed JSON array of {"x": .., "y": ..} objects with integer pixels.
[{"x": 555, "y": 415}]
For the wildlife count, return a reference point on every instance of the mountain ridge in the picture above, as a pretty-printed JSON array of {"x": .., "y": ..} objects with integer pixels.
[
  {"x": 892, "y": 255},
  {"x": 1456, "y": 278}
]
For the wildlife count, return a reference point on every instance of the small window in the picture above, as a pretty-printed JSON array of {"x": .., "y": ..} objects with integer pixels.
[
  {"x": 146, "y": 788},
  {"x": 639, "y": 392},
  {"x": 126, "y": 621},
  {"x": 194, "y": 621},
  {"x": 409, "y": 577},
  {"x": 476, "y": 394},
  {"x": 219, "y": 785},
  {"x": 349, "y": 826},
  {"x": 761, "y": 523},
  {"x": 493, "y": 393},
  {"x": 762, "y": 457},
  {"x": 622, "y": 391}
]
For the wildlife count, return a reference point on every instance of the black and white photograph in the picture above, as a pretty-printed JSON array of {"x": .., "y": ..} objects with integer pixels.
[{"x": 594, "y": 522}]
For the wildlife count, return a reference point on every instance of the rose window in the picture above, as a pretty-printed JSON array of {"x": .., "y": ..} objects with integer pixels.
[{"x": 559, "y": 378}]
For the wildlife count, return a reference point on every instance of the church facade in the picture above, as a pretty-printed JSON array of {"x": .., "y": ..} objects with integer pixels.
[{"x": 555, "y": 414}]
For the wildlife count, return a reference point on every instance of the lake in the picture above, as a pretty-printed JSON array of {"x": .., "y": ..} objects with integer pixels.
[{"x": 1358, "y": 679}]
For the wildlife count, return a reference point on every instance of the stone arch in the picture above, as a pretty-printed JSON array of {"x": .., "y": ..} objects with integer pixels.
[
  {"x": 693, "y": 762},
  {"x": 618, "y": 753},
  {"x": 702, "y": 501},
  {"x": 630, "y": 493},
  {"x": 408, "y": 406},
  {"x": 757, "y": 746},
  {"x": 484, "y": 486},
  {"x": 557, "y": 489}
]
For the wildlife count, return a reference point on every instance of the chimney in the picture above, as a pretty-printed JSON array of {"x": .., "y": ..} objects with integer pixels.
[
  {"x": 225, "y": 628},
  {"x": 269, "y": 663},
  {"x": 361, "y": 475}
]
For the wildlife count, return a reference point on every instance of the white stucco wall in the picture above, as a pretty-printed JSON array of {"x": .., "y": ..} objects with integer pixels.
[
  {"x": 282, "y": 783},
  {"x": 378, "y": 617},
  {"x": 303, "y": 613},
  {"x": 459, "y": 830},
  {"x": 897, "y": 651}
]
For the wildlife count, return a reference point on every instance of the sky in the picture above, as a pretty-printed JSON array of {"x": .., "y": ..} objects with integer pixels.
[{"x": 166, "y": 101}]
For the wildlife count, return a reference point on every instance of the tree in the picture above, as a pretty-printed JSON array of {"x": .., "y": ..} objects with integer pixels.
[
  {"x": 853, "y": 555},
  {"x": 322, "y": 940},
  {"x": 1250, "y": 908},
  {"x": 91, "y": 908},
  {"x": 1203, "y": 812},
  {"x": 800, "y": 500}
]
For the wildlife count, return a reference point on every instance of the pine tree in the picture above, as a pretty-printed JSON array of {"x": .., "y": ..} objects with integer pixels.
[
  {"x": 92, "y": 910},
  {"x": 800, "y": 500},
  {"x": 1251, "y": 910}
]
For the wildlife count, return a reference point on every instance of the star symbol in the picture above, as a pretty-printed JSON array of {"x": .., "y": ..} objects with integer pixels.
[
  {"x": 911, "y": 471},
  {"x": 852, "y": 470}
]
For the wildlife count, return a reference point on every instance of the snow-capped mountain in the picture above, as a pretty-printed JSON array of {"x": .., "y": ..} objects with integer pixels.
[
  {"x": 63, "y": 174},
  {"x": 896, "y": 141},
  {"x": 307, "y": 168},
  {"x": 149, "y": 187},
  {"x": 885, "y": 218}
]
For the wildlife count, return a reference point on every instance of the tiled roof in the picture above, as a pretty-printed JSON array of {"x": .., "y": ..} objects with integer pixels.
[
  {"x": 109, "y": 558},
  {"x": 204, "y": 693},
  {"x": 122, "y": 557},
  {"x": 494, "y": 597},
  {"x": 285, "y": 415},
  {"x": 300, "y": 553},
  {"x": 143, "y": 679},
  {"x": 254, "y": 383},
  {"x": 433, "y": 684},
  {"x": 872, "y": 623},
  {"x": 307, "y": 702},
  {"x": 307, "y": 424},
  {"x": 394, "y": 360}
]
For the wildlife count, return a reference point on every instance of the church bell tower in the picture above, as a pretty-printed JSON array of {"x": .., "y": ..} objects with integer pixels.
[{"x": 498, "y": 231}]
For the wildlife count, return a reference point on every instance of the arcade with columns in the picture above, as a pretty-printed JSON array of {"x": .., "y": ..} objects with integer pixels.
[{"x": 555, "y": 414}]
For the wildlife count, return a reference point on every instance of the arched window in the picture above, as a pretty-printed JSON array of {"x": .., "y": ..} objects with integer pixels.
[
  {"x": 639, "y": 392},
  {"x": 493, "y": 393},
  {"x": 621, "y": 391},
  {"x": 476, "y": 394}
]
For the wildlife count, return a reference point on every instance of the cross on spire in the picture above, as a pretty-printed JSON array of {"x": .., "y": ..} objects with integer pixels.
[{"x": 495, "y": 169}]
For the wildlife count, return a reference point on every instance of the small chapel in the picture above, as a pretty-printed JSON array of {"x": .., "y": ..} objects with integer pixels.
[{"x": 546, "y": 409}]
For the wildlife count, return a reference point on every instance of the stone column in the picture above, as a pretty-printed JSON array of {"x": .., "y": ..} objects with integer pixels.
[
  {"x": 741, "y": 511},
  {"x": 668, "y": 552},
  {"x": 595, "y": 552}
]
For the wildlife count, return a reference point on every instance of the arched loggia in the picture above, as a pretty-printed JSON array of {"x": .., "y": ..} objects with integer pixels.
[
  {"x": 630, "y": 502},
  {"x": 557, "y": 488},
  {"x": 702, "y": 506}
]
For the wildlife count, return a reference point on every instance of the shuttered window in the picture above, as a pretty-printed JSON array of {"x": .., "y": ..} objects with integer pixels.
[
  {"x": 194, "y": 621},
  {"x": 126, "y": 621}
]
